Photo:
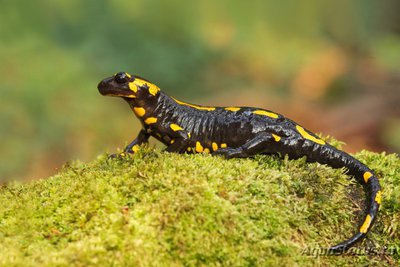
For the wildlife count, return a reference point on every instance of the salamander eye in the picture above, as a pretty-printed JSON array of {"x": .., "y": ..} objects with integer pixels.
[{"x": 121, "y": 77}]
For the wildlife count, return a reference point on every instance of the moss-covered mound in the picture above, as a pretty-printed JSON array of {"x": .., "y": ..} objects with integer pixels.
[{"x": 162, "y": 209}]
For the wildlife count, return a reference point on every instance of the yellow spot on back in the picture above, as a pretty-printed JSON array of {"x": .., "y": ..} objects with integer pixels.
[
  {"x": 309, "y": 136},
  {"x": 232, "y": 109},
  {"x": 194, "y": 106},
  {"x": 199, "y": 147},
  {"x": 139, "y": 111},
  {"x": 223, "y": 145},
  {"x": 189, "y": 135},
  {"x": 153, "y": 89},
  {"x": 366, "y": 176},
  {"x": 206, "y": 150},
  {"x": 150, "y": 120},
  {"x": 189, "y": 149},
  {"x": 276, "y": 137},
  {"x": 366, "y": 224},
  {"x": 378, "y": 197},
  {"x": 266, "y": 113},
  {"x": 175, "y": 127},
  {"x": 133, "y": 87},
  {"x": 214, "y": 146},
  {"x": 135, "y": 148},
  {"x": 172, "y": 141}
]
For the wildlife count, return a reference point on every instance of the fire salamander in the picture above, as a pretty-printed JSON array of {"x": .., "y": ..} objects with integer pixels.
[{"x": 234, "y": 132}]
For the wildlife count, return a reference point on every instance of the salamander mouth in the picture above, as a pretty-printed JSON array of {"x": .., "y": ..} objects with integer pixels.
[{"x": 107, "y": 88}]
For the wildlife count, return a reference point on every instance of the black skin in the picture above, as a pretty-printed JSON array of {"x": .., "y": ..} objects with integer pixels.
[{"x": 244, "y": 132}]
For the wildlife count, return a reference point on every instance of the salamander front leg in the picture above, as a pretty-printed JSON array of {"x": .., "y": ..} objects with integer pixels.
[
  {"x": 143, "y": 137},
  {"x": 262, "y": 143}
]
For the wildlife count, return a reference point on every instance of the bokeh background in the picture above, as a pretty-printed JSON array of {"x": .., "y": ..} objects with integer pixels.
[{"x": 333, "y": 66}]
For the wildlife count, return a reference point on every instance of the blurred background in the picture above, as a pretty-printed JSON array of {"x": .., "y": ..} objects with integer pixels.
[{"x": 332, "y": 66}]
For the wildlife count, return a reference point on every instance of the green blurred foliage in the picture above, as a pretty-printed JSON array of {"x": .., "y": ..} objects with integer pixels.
[{"x": 53, "y": 54}]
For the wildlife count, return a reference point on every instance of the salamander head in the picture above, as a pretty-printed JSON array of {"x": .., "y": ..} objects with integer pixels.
[{"x": 124, "y": 85}]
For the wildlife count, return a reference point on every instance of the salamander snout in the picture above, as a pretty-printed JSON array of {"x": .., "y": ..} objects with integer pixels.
[{"x": 117, "y": 85}]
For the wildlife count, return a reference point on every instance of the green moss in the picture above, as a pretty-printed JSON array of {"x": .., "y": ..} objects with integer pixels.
[{"x": 162, "y": 209}]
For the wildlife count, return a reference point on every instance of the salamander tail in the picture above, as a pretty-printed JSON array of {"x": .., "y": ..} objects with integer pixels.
[
  {"x": 373, "y": 192},
  {"x": 364, "y": 176}
]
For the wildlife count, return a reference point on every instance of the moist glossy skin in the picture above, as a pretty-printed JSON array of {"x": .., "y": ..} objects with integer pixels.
[{"x": 234, "y": 132}]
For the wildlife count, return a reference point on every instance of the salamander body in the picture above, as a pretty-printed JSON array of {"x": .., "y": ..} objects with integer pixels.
[{"x": 234, "y": 132}]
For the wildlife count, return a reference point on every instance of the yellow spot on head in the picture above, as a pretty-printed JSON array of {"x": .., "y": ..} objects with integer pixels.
[
  {"x": 378, "y": 197},
  {"x": 266, "y": 113},
  {"x": 199, "y": 147},
  {"x": 124, "y": 95},
  {"x": 364, "y": 228},
  {"x": 128, "y": 75},
  {"x": 194, "y": 106},
  {"x": 366, "y": 176},
  {"x": 232, "y": 109},
  {"x": 206, "y": 150},
  {"x": 175, "y": 127},
  {"x": 308, "y": 136},
  {"x": 172, "y": 141},
  {"x": 223, "y": 145},
  {"x": 189, "y": 149},
  {"x": 135, "y": 148},
  {"x": 153, "y": 89},
  {"x": 276, "y": 137},
  {"x": 150, "y": 120},
  {"x": 132, "y": 87},
  {"x": 214, "y": 146},
  {"x": 139, "y": 111}
]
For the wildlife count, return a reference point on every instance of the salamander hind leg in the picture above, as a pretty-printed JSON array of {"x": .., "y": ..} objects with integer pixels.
[
  {"x": 262, "y": 143},
  {"x": 180, "y": 139}
]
